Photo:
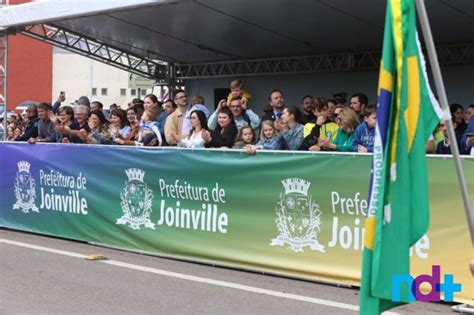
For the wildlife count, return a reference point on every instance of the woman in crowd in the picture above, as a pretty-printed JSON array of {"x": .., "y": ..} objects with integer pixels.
[
  {"x": 223, "y": 136},
  {"x": 18, "y": 132},
  {"x": 291, "y": 129},
  {"x": 11, "y": 133},
  {"x": 195, "y": 138},
  {"x": 65, "y": 118},
  {"x": 12, "y": 122},
  {"x": 99, "y": 127},
  {"x": 151, "y": 103},
  {"x": 457, "y": 112},
  {"x": 135, "y": 128},
  {"x": 119, "y": 127},
  {"x": 348, "y": 120}
]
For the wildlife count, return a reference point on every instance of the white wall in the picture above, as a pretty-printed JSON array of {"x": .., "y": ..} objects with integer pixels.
[{"x": 77, "y": 75}]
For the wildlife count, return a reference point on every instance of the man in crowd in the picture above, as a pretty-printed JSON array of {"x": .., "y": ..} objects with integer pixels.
[
  {"x": 307, "y": 105},
  {"x": 444, "y": 146},
  {"x": 276, "y": 101},
  {"x": 96, "y": 105},
  {"x": 31, "y": 127},
  {"x": 170, "y": 106},
  {"x": 358, "y": 103},
  {"x": 112, "y": 107},
  {"x": 45, "y": 125},
  {"x": 174, "y": 122},
  {"x": 467, "y": 141},
  {"x": 134, "y": 102},
  {"x": 83, "y": 100},
  {"x": 243, "y": 116}
]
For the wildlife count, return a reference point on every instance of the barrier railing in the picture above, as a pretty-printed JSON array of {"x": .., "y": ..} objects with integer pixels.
[{"x": 288, "y": 213}]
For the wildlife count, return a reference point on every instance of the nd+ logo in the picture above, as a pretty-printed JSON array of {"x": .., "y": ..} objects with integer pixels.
[{"x": 448, "y": 287}]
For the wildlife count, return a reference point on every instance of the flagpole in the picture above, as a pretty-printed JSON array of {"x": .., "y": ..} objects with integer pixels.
[{"x": 425, "y": 26}]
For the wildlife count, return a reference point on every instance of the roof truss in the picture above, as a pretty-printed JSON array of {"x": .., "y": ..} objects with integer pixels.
[
  {"x": 290, "y": 65},
  {"x": 353, "y": 61},
  {"x": 97, "y": 50},
  {"x": 166, "y": 74}
]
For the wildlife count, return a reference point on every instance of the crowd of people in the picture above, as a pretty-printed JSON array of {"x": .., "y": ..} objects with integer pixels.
[{"x": 318, "y": 124}]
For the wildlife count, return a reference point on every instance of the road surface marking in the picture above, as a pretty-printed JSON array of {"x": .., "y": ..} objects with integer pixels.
[{"x": 195, "y": 278}]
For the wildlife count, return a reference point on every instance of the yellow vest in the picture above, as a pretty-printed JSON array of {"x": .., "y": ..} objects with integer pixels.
[{"x": 327, "y": 130}]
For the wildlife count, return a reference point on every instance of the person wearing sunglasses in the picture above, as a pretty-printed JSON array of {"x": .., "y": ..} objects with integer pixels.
[{"x": 31, "y": 127}]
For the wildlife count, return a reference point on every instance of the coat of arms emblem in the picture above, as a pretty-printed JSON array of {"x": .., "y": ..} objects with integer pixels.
[
  {"x": 298, "y": 217},
  {"x": 136, "y": 201},
  {"x": 25, "y": 188}
]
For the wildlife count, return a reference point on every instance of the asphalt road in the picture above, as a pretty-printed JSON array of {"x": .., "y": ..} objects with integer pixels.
[{"x": 43, "y": 275}]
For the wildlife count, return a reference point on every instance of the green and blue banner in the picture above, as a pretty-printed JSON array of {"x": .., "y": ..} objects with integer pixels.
[{"x": 295, "y": 214}]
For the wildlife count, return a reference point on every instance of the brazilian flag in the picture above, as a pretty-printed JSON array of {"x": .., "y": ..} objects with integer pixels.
[{"x": 407, "y": 114}]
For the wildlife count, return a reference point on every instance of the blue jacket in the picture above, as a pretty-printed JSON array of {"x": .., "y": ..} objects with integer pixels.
[
  {"x": 364, "y": 136},
  {"x": 161, "y": 122},
  {"x": 293, "y": 138},
  {"x": 270, "y": 144},
  {"x": 470, "y": 129}
]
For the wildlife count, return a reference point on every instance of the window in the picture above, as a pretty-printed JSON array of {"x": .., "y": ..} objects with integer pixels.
[
  {"x": 94, "y": 91},
  {"x": 123, "y": 92},
  {"x": 133, "y": 92},
  {"x": 143, "y": 92},
  {"x": 103, "y": 91}
]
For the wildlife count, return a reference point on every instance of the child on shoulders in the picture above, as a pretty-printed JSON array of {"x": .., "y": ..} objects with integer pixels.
[{"x": 237, "y": 90}]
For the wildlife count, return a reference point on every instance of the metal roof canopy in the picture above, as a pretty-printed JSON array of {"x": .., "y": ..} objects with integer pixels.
[{"x": 210, "y": 38}]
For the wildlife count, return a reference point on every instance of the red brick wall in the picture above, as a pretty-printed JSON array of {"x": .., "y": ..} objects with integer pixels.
[{"x": 30, "y": 69}]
